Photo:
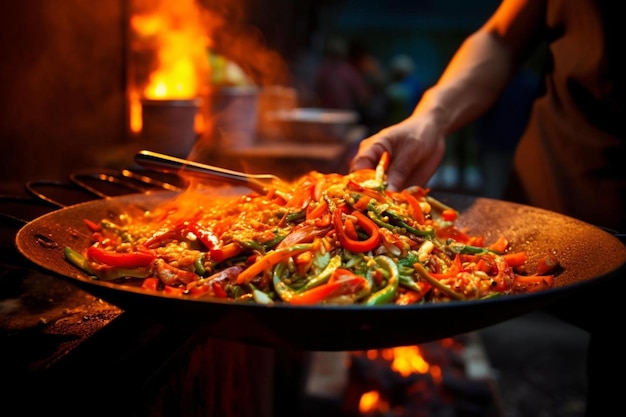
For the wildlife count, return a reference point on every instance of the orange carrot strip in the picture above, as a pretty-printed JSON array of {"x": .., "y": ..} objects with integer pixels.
[
  {"x": 516, "y": 258},
  {"x": 272, "y": 258},
  {"x": 500, "y": 245},
  {"x": 548, "y": 280}
]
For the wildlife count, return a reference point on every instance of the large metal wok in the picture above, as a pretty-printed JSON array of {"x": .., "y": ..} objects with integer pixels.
[{"x": 589, "y": 256}]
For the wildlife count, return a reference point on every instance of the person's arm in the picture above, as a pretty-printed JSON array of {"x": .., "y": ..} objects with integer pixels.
[
  {"x": 485, "y": 62},
  {"x": 470, "y": 84}
]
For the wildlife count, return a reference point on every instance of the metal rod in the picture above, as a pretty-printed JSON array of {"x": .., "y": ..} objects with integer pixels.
[{"x": 166, "y": 163}]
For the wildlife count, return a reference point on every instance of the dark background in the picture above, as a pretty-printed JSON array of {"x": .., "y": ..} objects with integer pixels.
[{"x": 65, "y": 62}]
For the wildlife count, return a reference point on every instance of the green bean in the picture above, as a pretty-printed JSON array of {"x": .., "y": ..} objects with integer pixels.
[
  {"x": 437, "y": 284},
  {"x": 324, "y": 276},
  {"x": 388, "y": 292}
]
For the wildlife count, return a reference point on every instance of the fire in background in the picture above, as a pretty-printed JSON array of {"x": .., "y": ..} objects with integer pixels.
[
  {"x": 185, "y": 49},
  {"x": 450, "y": 377}
]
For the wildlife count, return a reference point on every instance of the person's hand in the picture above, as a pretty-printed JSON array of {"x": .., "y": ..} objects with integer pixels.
[{"x": 416, "y": 147}]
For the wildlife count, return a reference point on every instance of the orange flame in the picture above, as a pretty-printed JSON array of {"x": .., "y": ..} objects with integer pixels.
[
  {"x": 405, "y": 360},
  {"x": 185, "y": 49},
  {"x": 180, "y": 61},
  {"x": 372, "y": 402}
]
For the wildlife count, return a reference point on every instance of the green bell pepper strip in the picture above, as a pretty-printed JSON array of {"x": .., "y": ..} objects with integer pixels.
[
  {"x": 78, "y": 260},
  {"x": 406, "y": 269},
  {"x": 286, "y": 293},
  {"x": 296, "y": 216},
  {"x": 388, "y": 292},
  {"x": 273, "y": 242},
  {"x": 261, "y": 297},
  {"x": 401, "y": 221},
  {"x": 407, "y": 282},
  {"x": 199, "y": 264},
  {"x": 283, "y": 290},
  {"x": 324, "y": 276},
  {"x": 252, "y": 245},
  {"x": 114, "y": 228},
  {"x": 408, "y": 260},
  {"x": 423, "y": 273},
  {"x": 375, "y": 212}
]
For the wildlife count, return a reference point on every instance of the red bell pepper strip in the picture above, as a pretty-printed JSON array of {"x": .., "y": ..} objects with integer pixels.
[
  {"x": 366, "y": 224},
  {"x": 207, "y": 237},
  {"x": 414, "y": 206},
  {"x": 150, "y": 284},
  {"x": 350, "y": 229},
  {"x": 319, "y": 188},
  {"x": 304, "y": 193},
  {"x": 103, "y": 271},
  {"x": 121, "y": 260},
  {"x": 302, "y": 233},
  {"x": 452, "y": 232},
  {"x": 93, "y": 226},
  {"x": 171, "y": 290},
  {"x": 449, "y": 215},
  {"x": 505, "y": 275},
  {"x": 547, "y": 264}
]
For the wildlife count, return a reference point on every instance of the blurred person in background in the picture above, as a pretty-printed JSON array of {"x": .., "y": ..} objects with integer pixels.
[
  {"x": 404, "y": 90},
  {"x": 374, "y": 110},
  {"x": 570, "y": 158},
  {"x": 337, "y": 83}
]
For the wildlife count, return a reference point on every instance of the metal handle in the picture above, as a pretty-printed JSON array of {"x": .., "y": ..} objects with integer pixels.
[{"x": 166, "y": 163}]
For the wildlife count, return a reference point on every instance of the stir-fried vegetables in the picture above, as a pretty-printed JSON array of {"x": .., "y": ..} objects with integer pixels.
[{"x": 325, "y": 239}]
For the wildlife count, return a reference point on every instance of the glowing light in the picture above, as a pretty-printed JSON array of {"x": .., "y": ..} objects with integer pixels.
[
  {"x": 371, "y": 401},
  {"x": 408, "y": 360}
]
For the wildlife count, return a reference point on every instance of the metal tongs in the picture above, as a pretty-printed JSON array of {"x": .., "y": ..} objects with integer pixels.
[{"x": 261, "y": 183}]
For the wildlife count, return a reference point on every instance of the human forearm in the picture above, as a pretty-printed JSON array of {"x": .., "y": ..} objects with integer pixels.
[
  {"x": 471, "y": 83},
  {"x": 483, "y": 65}
]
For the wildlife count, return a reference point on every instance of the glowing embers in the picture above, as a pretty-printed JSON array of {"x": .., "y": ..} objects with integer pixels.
[{"x": 430, "y": 379}]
